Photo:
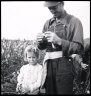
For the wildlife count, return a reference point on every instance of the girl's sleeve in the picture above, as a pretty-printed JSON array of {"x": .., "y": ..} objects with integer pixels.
[
  {"x": 34, "y": 86},
  {"x": 20, "y": 76}
]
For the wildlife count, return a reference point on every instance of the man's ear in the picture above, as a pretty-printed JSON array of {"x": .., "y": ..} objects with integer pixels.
[{"x": 62, "y": 3}]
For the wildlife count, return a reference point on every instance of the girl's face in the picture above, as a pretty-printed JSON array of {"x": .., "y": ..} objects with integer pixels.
[{"x": 32, "y": 58}]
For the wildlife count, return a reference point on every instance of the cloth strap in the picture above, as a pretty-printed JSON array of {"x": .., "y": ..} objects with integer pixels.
[
  {"x": 52, "y": 55},
  {"x": 49, "y": 55}
]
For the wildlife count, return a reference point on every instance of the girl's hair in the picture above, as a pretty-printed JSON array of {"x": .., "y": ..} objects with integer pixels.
[{"x": 31, "y": 48}]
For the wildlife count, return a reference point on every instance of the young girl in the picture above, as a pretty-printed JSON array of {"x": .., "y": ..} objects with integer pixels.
[{"x": 29, "y": 79}]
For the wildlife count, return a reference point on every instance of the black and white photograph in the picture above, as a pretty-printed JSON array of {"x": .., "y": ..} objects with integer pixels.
[{"x": 45, "y": 47}]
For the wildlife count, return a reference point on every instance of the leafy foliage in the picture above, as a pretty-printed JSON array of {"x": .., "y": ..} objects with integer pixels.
[{"x": 12, "y": 59}]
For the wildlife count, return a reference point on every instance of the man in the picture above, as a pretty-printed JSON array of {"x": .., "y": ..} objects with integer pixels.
[{"x": 62, "y": 36}]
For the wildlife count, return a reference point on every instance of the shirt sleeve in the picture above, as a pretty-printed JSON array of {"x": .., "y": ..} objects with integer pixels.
[
  {"x": 34, "y": 86},
  {"x": 75, "y": 44},
  {"x": 78, "y": 58},
  {"x": 20, "y": 76},
  {"x": 86, "y": 44}
]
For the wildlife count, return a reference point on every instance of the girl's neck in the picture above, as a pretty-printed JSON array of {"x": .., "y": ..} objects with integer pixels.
[{"x": 32, "y": 64}]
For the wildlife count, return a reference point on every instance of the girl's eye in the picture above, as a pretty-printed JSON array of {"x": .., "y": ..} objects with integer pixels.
[{"x": 32, "y": 57}]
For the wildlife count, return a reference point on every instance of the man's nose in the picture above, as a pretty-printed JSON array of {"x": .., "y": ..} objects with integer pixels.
[{"x": 52, "y": 11}]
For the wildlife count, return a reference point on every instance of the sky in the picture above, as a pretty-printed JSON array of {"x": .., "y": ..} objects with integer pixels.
[{"x": 25, "y": 19}]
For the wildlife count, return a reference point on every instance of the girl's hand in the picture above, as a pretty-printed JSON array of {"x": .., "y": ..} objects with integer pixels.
[
  {"x": 35, "y": 92},
  {"x": 19, "y": 88},
  {"x": 52, "y": 37},
  {"x": 42, "y": 90},
  {"x": 25, "y": 90}
]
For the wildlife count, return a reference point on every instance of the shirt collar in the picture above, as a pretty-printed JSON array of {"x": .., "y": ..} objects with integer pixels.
[{"x": 63, "y": 20}]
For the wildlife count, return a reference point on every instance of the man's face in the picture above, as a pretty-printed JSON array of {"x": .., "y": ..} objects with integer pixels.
[{"x": 56, "y": 10}]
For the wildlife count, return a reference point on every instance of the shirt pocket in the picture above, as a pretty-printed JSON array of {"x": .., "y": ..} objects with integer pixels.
[{"x": 60, "y": 30}]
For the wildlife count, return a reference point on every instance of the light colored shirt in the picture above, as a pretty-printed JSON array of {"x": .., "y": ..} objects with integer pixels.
[{"x": 30, "y": 77}]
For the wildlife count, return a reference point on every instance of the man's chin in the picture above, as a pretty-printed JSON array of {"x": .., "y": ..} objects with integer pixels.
[{"x": 55, "y": 15}]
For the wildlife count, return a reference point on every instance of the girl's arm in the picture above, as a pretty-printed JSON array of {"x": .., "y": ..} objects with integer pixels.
[{"x": 20, "y": 76}]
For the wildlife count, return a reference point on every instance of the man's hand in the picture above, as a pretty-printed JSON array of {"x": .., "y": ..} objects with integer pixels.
[
  {"x": 40, "y": 37},
  {"x": 52, "y": 37}
]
